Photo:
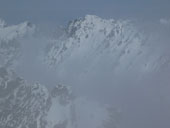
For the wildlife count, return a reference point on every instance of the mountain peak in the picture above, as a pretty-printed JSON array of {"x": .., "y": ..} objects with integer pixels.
[
  {"x": 93, "y": 25},
  {"x": 95, "y": 35},
  {"x": 92, "y": 18}
]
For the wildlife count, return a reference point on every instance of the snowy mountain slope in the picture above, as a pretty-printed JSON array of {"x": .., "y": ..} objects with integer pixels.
[
  {"x": 10, "y": 40},
  {"x": 24, "y": 105},
  {"x": 93, "y": 42},
  {"x": 95, "y": 35},
  {"x": 91, "y": 50}
]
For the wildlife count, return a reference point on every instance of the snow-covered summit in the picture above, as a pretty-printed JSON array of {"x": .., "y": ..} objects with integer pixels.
[
  {"x": 92, "y": 23},
  {"x": 118, "y": 44},
  {"x": 93, "y": 36}
]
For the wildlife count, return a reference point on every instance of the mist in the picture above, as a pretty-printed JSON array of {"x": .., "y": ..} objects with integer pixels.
[
  {"x": 101, "y": 65},
  {"x": 141, "y": 96}
]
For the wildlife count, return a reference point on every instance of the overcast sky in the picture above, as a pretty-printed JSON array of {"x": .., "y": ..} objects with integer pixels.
[{"x": 61, "y": 11}]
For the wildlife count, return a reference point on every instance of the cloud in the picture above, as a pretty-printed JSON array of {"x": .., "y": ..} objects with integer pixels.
[{"x": 164, "y": 21}]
